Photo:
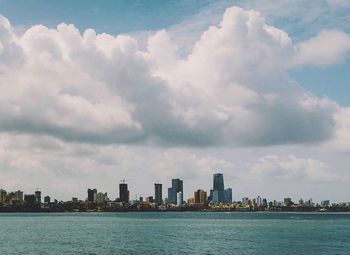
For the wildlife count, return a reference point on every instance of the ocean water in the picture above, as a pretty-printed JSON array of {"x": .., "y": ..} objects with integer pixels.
[{"x": 174, "y": 233}]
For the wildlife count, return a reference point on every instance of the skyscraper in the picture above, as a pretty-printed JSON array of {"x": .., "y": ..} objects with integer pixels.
[
  {"x": 38, "y": 197},
  {"x": 3, "y": 194},
  {"x": 19, "y": 196},
  {"x": 228, "y": 196},
  {"x": 218, "y": 185},
  {"x": 200, "y": 197},
  {"x": 47, "y": 199},
  {"x": 288, "y": 201},
  {"x": 259, "y": 201},
  {"x": 158, "y": 193},
  {"x": 176, "y": 186},
  {"x": 179, "y": 198},
  {"x": 150, "y": 200},
  {"x": 123, "y": 192},
  {"x": 30, "y": 199},
  {"x": 215, "y": 197},
  {"x": 92, "y": 193},
  {"x": 171, "y": 197}
]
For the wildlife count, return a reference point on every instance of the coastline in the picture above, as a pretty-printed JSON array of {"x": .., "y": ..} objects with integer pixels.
[{"x": 177, "y": 211}]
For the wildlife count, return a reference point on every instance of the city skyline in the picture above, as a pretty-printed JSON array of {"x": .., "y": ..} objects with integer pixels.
[
  {"x": 217, "y": 195},
  {"x": 94, "y": 93}
]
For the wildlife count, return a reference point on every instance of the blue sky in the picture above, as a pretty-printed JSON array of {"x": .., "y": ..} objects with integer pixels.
[
  {"x": 117, "y": 17},
  {"x": 107, "y": 16}
]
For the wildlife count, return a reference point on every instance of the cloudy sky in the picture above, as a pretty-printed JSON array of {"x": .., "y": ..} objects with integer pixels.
[{"x": 92, "y": 93}]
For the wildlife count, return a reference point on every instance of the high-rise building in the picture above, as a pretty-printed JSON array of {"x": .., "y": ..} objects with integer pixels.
[
  {"x": 309, "y": 202},
  {"x": 19, "y": 196},
  {"x": 10, "y": 197},
  {"x": 92, "y": 194},
  {"x": 325, "y": 203},
  {"x": 264, "y": 202},
  {"x": 254, "y": 202},
  {"x": 288, "y": 201},
  {"x": 259, "y": 201},
  {"x": 171, "y": 199},
  {"x": 38, "y": 197},
  {"x": 30, "y": 199},
  {"x": 123, "y": 192},
  {"x": 215, "y": 197},
  {"x": 228, "y": 196},
  {"x": 47, "y": 199},
  {"x": 158, "y": 193},
  {"x": 218, "y": 185},
  {"x": 200, "y": 197},
  {"x": 179, "y": 198},
  {"x": 3, "y": 194},
  {"x": 210, "y": 198},
  {"x": 176, "y": 187},
  {"x": 150, "y": 200}
]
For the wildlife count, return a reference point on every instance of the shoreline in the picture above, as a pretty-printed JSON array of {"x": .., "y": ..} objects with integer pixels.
[{"x": 174, "y": 211}]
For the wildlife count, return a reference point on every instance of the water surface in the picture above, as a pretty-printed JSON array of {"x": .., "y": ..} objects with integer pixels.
[{"x": 174, "y": 233}]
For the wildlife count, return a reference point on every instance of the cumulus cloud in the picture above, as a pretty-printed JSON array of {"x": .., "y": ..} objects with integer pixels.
[
  {"x": 66, "y": 169},
  {"x": 341, "y": 140},
  {"x": 291, "y": 168},
  {"x": 327, "y": 48},
  {"x": 10, "y": 52},
  {"x": 71, "y": 103},
  {"x": 69, "y": 168},
  {"x": 233, "y": 88}
]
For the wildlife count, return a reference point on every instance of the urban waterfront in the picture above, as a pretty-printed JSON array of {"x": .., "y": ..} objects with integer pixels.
[
  {"x": 219, "y": 199},
  {"x": 175, "y": 233}
]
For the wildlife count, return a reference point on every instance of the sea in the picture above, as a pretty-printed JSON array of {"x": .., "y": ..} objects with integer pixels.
[{"x": 175, "y": 233}]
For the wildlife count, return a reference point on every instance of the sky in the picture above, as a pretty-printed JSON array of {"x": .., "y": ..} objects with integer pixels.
[{"x": 98, "y": 91}]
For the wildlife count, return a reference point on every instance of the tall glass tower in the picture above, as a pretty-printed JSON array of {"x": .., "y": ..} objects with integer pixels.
[
  {"x": 158, "y": 193},
  {"x": 38, "y": 197},
  {"x": 218, "y": 185},
  {"x": 176, "y": 186},
  {"x": 123, "y": 192},
  {"x": 92, "y": 193}
]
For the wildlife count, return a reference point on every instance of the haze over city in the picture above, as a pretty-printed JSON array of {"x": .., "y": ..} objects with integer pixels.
[{"x": 257, "y": 91}]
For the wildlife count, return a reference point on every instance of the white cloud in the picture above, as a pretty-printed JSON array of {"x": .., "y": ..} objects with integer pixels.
[
  {"x": 70, "y": 99},
  {"x": 327, "y": 48},
  {"x": 231, "y": 89},
  {"x": 290, "y": 168},
  {"x": 10, "y": 52},
  {"x": 66, "y": 169},
  {"x": 341, "y": 140},
  {"x": 236, "y": 80}
]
